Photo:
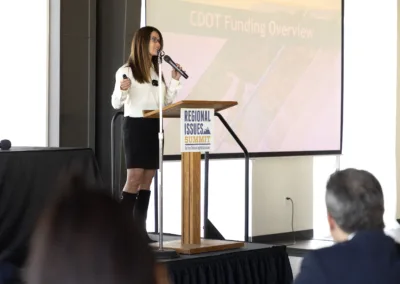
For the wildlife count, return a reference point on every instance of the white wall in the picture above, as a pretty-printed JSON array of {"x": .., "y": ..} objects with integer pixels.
[
  {"x": 271, "y": 181},
  {"x": 274, "y": 179},
  {"x": 398, "y": 116},
  {"x": 226, "y": 198},
  {"x": 370, "y": 85},
  {"x": 23, "y": 72},
  {"x": 370, "y": 94},
  {"x": 323, "y": 167}
]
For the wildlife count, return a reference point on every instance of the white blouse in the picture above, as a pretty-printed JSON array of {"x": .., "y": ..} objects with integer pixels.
[{"x": 141, "y": 97}]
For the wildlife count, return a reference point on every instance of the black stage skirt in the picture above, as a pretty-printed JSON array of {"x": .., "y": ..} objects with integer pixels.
[{"x": 141, "y": 142}]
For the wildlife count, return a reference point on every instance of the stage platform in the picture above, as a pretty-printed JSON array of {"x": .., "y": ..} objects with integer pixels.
[
  {"x": 301, "y": 248},
  {"x": 254, "y": 263}
]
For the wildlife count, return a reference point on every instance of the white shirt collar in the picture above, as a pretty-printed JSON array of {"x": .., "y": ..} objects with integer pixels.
[{"x": 351, "y": 236}]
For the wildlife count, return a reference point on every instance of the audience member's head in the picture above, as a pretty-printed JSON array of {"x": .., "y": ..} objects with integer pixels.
[
  {"x": 354, "y": 201},
  {"x": 85, "y": 237}
]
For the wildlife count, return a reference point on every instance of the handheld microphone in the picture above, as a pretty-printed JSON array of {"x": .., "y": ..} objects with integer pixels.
[
  {"x": 124, "y": 76},
  {"x": 5, "y": 144},
  {"x": 173, "y": 64}
]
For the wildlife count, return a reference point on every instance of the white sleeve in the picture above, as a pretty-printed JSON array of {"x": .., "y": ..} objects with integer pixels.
[
  {"x": 119, "y": 96},
  {"x": 172, "y": 91}
]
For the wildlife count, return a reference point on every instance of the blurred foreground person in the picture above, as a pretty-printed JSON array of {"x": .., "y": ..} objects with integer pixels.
[{"x": 86, "y": 237}]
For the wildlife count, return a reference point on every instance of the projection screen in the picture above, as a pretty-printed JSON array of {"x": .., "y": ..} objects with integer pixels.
[{"x": 281, "y": 60}]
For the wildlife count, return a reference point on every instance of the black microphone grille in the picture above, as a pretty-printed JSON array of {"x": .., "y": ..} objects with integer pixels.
[
  {"x": 5, "y": 144},
  {"x": 167, "y": 58}
]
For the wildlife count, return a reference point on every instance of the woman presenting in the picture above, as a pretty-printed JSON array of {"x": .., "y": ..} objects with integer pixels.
[{"x": 138, "y": 91}]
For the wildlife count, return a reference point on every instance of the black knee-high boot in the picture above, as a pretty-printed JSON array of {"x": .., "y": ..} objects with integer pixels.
[
  {"x": 128, "y": 201},
  {"x": 140, "y": 211}
]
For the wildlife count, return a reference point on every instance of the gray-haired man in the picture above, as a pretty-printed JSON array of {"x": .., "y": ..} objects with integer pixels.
[{"x": 363, "y": 253}]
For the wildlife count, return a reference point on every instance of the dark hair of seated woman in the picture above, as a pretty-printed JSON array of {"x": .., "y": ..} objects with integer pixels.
[{"x": 86, "y": 237}]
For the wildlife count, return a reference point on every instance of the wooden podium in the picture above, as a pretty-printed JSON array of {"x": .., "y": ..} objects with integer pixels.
[{"x": 190, "y": 242}]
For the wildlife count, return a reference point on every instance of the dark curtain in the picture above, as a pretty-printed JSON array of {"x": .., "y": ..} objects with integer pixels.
[
  {"x": 266, "y": 266},
  {"x": 28, "y": 181},
  {"x": 117, "y": 20}
]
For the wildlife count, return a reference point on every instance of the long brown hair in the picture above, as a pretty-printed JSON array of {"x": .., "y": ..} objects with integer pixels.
[
  {"x": 86, "y": 237},
  {"x": 139, "y": 60}
]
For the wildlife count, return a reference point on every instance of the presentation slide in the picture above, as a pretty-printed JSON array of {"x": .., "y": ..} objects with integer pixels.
[{"x": 280, "y": 60}]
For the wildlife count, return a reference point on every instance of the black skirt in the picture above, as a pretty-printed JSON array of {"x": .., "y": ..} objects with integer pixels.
[{"x": 141, "y": 142}]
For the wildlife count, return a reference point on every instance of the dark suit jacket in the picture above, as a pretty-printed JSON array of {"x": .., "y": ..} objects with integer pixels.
[
  {"x": 369, "y": 258},
  {"x": 8, "y": 273}
]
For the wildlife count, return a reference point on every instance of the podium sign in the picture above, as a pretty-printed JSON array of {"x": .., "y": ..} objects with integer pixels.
[{"x": 197, "y": 130}]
